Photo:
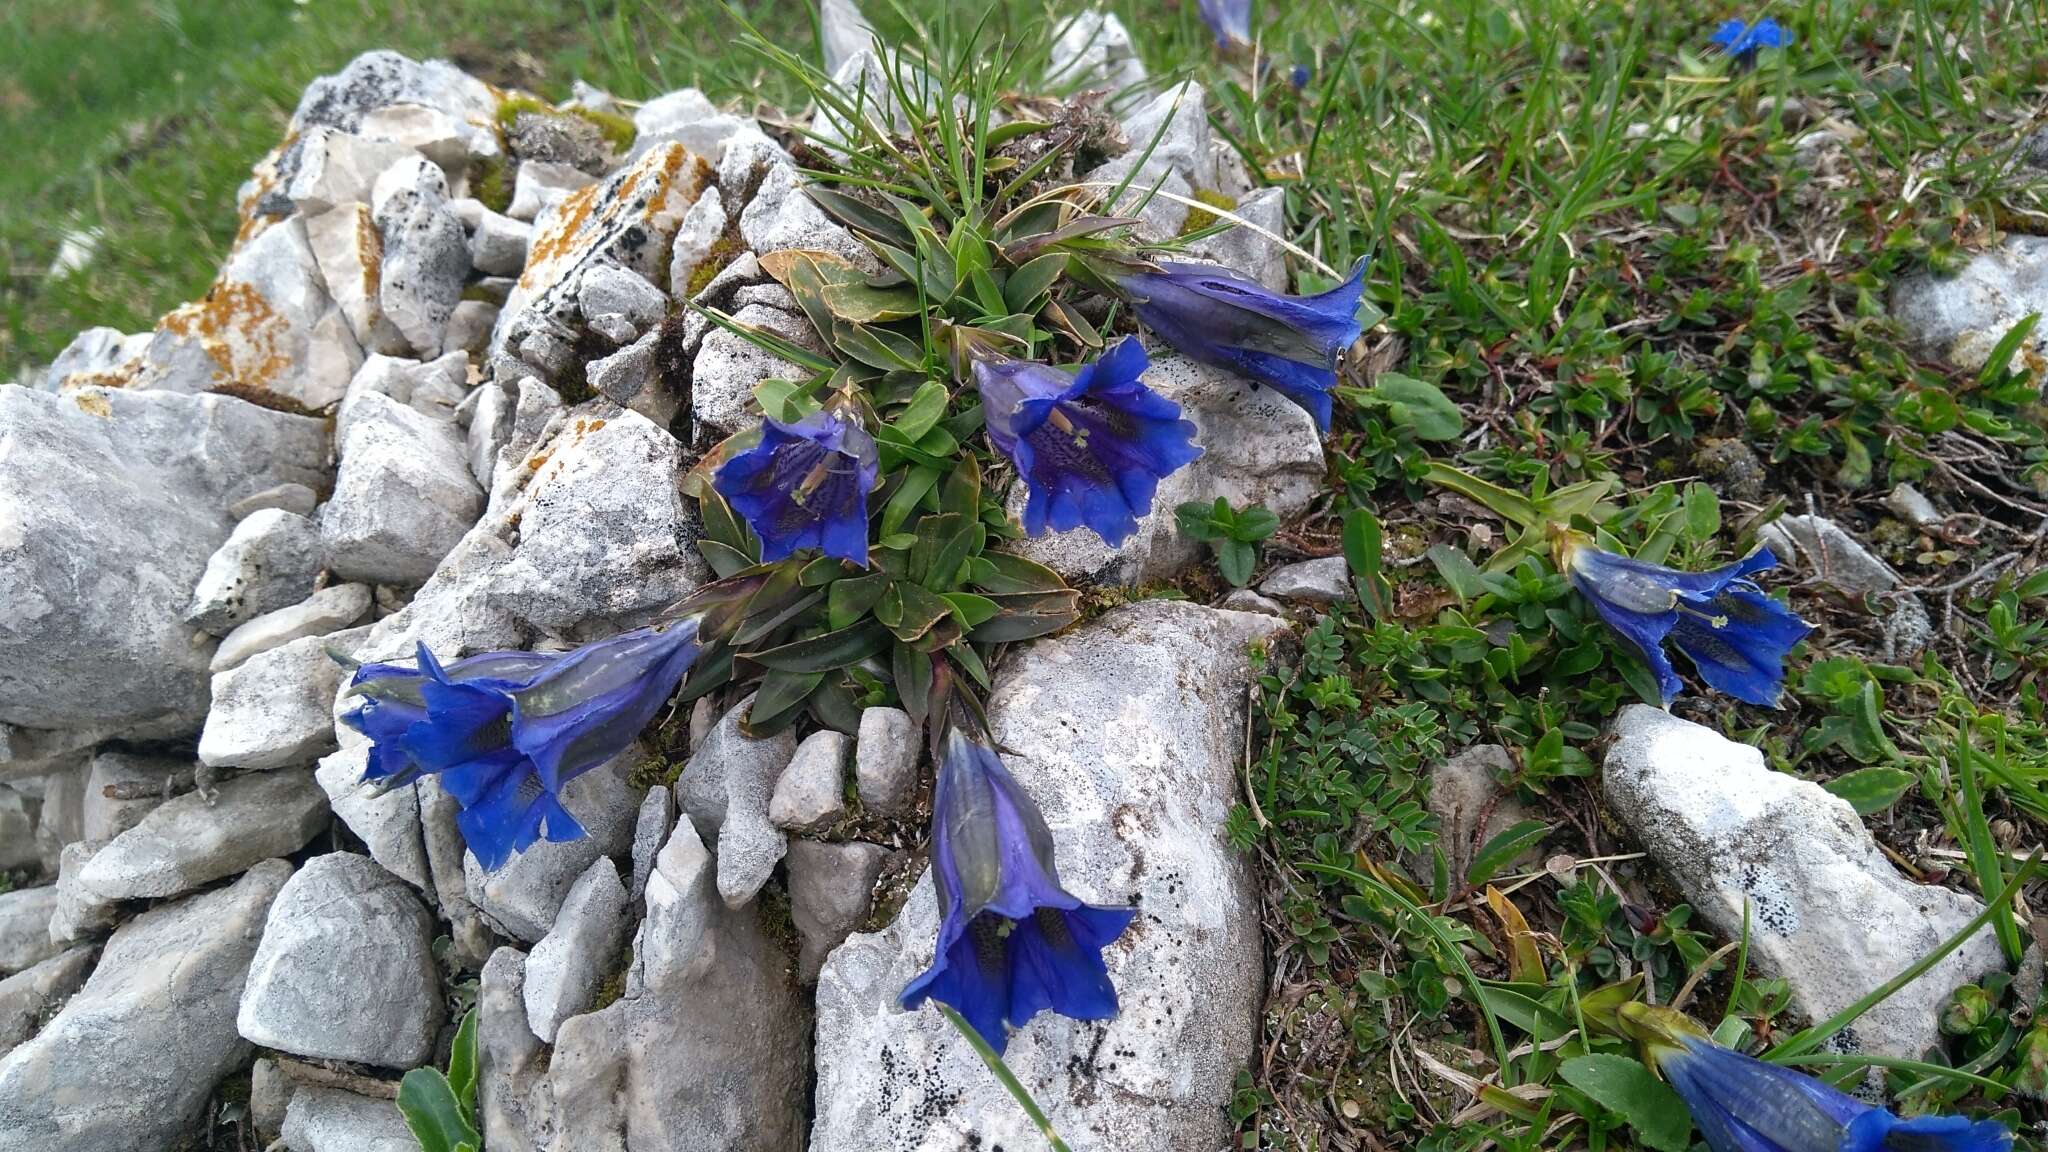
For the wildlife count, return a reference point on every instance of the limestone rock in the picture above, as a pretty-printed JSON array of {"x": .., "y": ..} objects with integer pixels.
[
  {"x": 843, "y": 34},
  {"x": 1175, "y": 126},
  {"x": 93, "y": 586},
  {"x": 632, "y": 378},
  {"x": 426, "y": 252},
  {"x": 686, "y": 117},
  {"x": 811, "y": 793},
  {"x": 650, "y": 832},
  {"x": 728, "y": 367},
  {"x": 629, "y": 220},
  {"x": 187, "y": 843},
  {"x": 379, "y": 80},
  {"x": 1128, "y": 731},
  {"x": 702, "y": 228},
  {"x": 346, "y": 968},
  {"x": 725, "y": 789},
  {"x": 337, "y": 168},
  {"x": 1247, "y": 252},
  {"x": 80, "y": 911},
  {"x": 540, "y": 185},
  {"x": 140, "y": 778},
  {"x": 17, "y": 831},
  {"x": 27, "y": 996},
  {"x": 469, "y": 327},
  {"x": 267, "y": 326},
  {"x": 1826, "y": 549},
  {"x": 604, "y": 531},
  {"x": 498, "y": 244},
  {"x": 1246, "y": 600},
  {"x": 513, "y": 1108},
  {"x": 294, "y": 498},
  {"x": 25, "y": 928},
  {"x": 350, "y": 252},
  {"x": 433, "y": 388},
  {"x": 1962, "y": 318},
  {"x": 563, "y": 970},
  {"x": 166, "y": 986},
  {"x": 270, "y": 1097},
  {"x": 1326, "y": 580},
  {"x": 831, "y": 889},
  {"x": 386, "y": 821},
  {"x": 271, "y": 559},
  {"x": 429, "y": 131},
  {"x": 885, "y": 761},
  {"x": 782, "y": 216},
  {"x": 607, "y": 289},
  {"x": 525, "y": 895},
  {"x": 94, "y": 356},
  {"x": 1465, "y": 788},
  {"x": 330, "y": 1120},
  {"x": 1257, "y": 448},
  {"x": 275, "y": 709},
  {"x": 1827, "y": 912},
  {"x": 558, "y": 138},
  {"x": 403, "y": 497},
  {"x": 325, "y": 612}
]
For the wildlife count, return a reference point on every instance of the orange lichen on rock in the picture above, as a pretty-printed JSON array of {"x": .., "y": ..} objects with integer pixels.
[{"x": 239, "y": 330}]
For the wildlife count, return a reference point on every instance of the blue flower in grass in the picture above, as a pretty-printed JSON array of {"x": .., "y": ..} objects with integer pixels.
[
  {"x": 1230, "y": 20},
  {"x": 805, "y": 485},
  {"x": 1742, "y": 41},
  {"x": 1012, "y": 942},
  {"x": 1091, "y": 445},
  {"x": 1290, "y": 344},
  {"x": 1742, "y": 1104},
  {"x": 1735, "y": 636},
  {"x": 505, "y": 731}
]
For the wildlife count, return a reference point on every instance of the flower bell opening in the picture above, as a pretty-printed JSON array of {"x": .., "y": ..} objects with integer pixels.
[
  {"x": 1736, "y": 636},
  {"x": 805, "y": 485},
  {"x": 1091, "y": 445},
  {"x": 1012, "y": 942}
]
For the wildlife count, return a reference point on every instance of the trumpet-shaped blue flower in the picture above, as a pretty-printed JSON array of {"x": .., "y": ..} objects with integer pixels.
[
  {"x": 805, "y": 485},
  {"x": 1091, "y": 446},
  {"x": 1012, "y": 943},
  {"x": 1735, "y": 636},
  {"x": 1742, "y": 41},
  {"x": 505, "y": 731},
  {"x": 1290, "y": 344},
  {"x": 1741, "y": 1104},
  {"x": 1230, "y": 20}
]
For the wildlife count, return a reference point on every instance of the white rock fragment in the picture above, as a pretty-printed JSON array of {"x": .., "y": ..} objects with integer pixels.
[
  {"x": 1093, "y": 51},
  {"x": 294, "y": 498},
  {"x": 325, "y": 612},
  {"x": 540, "y": 184},
  {"x": 426, "y": 252},
  {"x": 728, "y": 367},
  {"x": 564, "y": 970},
  {"x": 609, "y": 289},
  {"x": 1827, "y": 913},
  {"x": 165, "y": 988},
  {"x": 1962, "y": 318},
  {"x": 1326, "y": 580},
  {"x": 524, "y": 896},
  {"x": 498, "y": 244},
  {"x": 28, "y": 996},
  {"x": 270, "y": 560},
  {"x": 725, "y": 789},
  {"x": 275, "y": 709},
  {"x": 831, "y": 889},
  {"x": 346, "y": 968},
  {"x": 386, "y": 821},
  {"x": 811, "y": 792},
  {"x": 702, "y": 228},
  {"x": 402, "y": 498},
  {"x": 782, "y": 216},
  {"x": 885, "y": 761},
  {"x": 25, "y": 928},
  {"x": 187, "y": 843},
  {"x": 140, "y": 783},
  {"x": 687, "y": 118},
  {"x": 337, "y": 168},
  {"x": 350, "y": 252},
  {"x": 650, "y": 832}
]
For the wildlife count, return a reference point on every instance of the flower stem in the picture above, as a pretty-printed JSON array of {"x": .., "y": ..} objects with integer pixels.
[{"x": 1006, "y": 1078}]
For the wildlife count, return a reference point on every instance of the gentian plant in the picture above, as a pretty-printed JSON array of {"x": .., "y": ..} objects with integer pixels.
[{"x": 1742, "y": 40}]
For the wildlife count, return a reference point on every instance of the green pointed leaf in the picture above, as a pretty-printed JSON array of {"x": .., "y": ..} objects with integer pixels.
[
  {"x": 1512, "y": 506},
  {"x": 1499, "y": 851},
  {"x": 462, "y": 1065},
  {"x": 853, "y": 597},
  {"x": 1363, "y": 543},
  {"x": 1419, "y": 406},
  {"x": 1872, "y": 790},
  {"x": 778, "y": 698},
  {"x": 825, "y": 652},
  {"x": 961, "y": 492},
  {"x": 917, "y": 484},
  {"x": 432, "y": 1112},
  {"x": 923, "y": 412},
  {"x": 1624, "y": 1087},
  {"x": 912, "y": 671},
  {"x": 1001, "y": 572},
  {"x": 1025, "y": 285},
  {"x": 859, "y": 215},
  {"x": 969, "y": 609}
]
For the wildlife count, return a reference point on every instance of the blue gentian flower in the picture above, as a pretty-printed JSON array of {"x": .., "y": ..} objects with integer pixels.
[
  {"x": 1743, "y": 41},
  {"x": 1298, "y": 76},
  {"x": 1735, "y": 636},
  {"x": 1091, "y": 445},
  {"x": 1742, "y": 1104},
  {"x": 1012, "y": 943},
  {"x": 805, "y": 485},
  {"x": 1230, "y": 20},
  {"x": 505, "y": 731},
  {"x": 1290, "y": 344}
]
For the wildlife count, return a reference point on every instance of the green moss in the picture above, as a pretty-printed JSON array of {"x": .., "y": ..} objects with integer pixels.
[
  {"x": 1199, "y": 219},
  {"x": 724, "y": 252},
  {"x": 492, "y": 185},
  {"x": 617, "y": 130},
  {"x": 613, "y": 985}
]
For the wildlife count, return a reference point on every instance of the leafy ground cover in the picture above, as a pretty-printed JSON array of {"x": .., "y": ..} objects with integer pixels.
[{"x": 1601, "y": 254}]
